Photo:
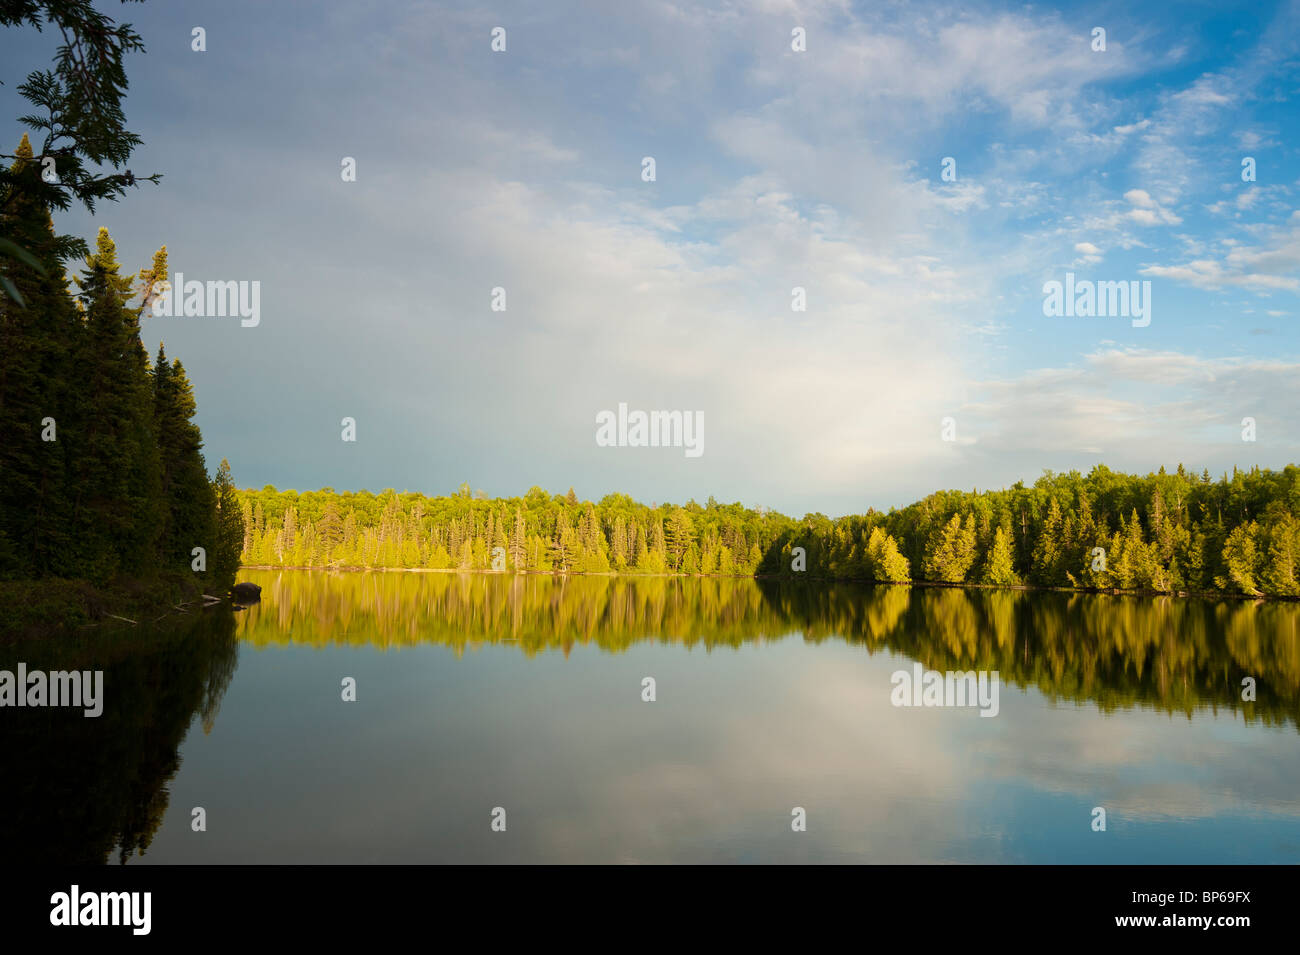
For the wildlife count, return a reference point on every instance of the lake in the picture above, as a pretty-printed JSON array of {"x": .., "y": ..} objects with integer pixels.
[{"x": 522, "y": 700}]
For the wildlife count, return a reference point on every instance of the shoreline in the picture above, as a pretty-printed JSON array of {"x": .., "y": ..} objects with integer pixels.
[
  {"x": 55, "y": 606},
  {"x": 1029, "y": 588},
  {"x": 52, "y": 606}
]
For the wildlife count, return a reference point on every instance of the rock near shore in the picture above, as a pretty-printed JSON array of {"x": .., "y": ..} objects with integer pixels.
[{"x": 246, "y": 593}]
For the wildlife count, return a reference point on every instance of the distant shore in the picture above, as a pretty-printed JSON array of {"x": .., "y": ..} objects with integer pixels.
[{"x": 790, "y": 578}]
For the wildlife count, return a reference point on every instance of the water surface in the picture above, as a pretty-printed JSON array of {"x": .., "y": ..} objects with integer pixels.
[{"x": 478, "y": 691}]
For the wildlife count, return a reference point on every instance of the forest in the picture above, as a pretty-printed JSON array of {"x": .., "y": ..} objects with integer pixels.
[
  {"x": 1163, "y": 533},
  {"x": 536, "y": 532},
  {"x": 104, "y": 478}
]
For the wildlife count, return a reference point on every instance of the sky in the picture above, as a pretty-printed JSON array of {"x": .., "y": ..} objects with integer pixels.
[{"x": 774, "y": 168}]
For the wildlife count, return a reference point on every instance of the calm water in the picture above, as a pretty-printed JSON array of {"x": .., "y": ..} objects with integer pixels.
[{"x": 483, "y": 691}]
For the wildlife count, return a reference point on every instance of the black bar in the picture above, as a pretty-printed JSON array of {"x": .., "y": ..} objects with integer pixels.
[{"x": 305, "y": 903}]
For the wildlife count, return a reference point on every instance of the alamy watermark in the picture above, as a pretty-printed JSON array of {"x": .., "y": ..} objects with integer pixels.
[
  {"x": 195, "y": 299},
  {"x": 921, "y": 687},
  {"x": 1088, "y": 299},
  {"x": 651, "y": 429},
  {"x": 75, "y": 907},
  {"x": 84, "y": 688}
]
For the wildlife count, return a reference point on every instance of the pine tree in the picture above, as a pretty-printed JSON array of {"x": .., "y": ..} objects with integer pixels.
[
  {"x": 246, "y": 511},
  {"x": 563, "y": 549},
  {"x": 951, "y": 551},
  {"x": 887, "y": 564},
  {"x": 518, "y": 541},
  {"x": 331, "y": 528},
  {"x": 658, "y": 544},
  {"x": 499, "y": 544},
  {"x": 189, "y": 504},
  {"x": 38, "y": 329},
  {"x": 1241, "y": 560},
  {"x": 1047, "y": 552},
  {"x": 116, "y": 469},
  {"x": 620, "y": 543},
  {"x": 999, "y": 569},
  {"x": 679, "y": 535},
  {"x": 229, "y": 529},
  {"x": 640, "y": 552},
  {"x": 1280, "y": 572}
]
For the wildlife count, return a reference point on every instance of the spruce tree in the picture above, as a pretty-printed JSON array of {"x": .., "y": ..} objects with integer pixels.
[
  {"x": 887, "y": 564},
  {"x": 1047, "y": 552},
  {"x": 999, "y": 568},
  {"x": 1280, "y": 572},
  {"x": 115, "y": 468},
  {"x": 38, "y": 327},
  {"x": 1241, "y": 560},
  {"x": 620, "y": 543},
  {"x": 518, "y": 541},
  {"x": 951, "y": 551},
  {"x": 563, "y": 544},
  {"x": 679, "y": 535},
  {"x": 190, "y": 506},
  {"x": 228, "y": 536}
]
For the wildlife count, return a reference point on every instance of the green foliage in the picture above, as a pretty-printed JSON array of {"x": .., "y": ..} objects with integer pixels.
[
  {"x": 999, "y": 568},
  {"x": 886, "y": 564},
  {"x": 951, "y": 551},
  {"x": 1163, "y": 533},
  {"x": 538, "y": 532},
  {"x": 1242, "y": 560},
  {"x": 79, "y": 114},
  {"x": 78, "y": 104},
  {"x": 228, "y": 540},
  {"x": 103, "y": 474},
  {"x": 1066, "y": 531}
]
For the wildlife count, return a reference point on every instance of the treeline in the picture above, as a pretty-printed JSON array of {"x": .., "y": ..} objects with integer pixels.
[
  {"x": 101, "y": 470},
  {"x": 1164, "y": 533},
  {"x": 536, "y": 532}
]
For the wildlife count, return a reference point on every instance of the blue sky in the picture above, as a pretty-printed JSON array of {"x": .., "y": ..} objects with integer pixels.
[{"x": 775, "y": 169}]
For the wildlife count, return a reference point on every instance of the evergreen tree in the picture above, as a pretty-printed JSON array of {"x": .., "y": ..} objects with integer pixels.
[
  {"x": 999, "y": 569},
  {"x": 620, "y": 543},
  {"x": 518, "y": 541},
  {"x": 679, "y": 535},
  {"x": 38, "y": 327},
  {"x": 1047, "y": 552},
  {"x": 640, "y": 552},
  {"x": 1280, "y": 573},
  {"x": 115, "y": 462},
  {"x": 229, "y": 529},
  {"x": 1241, "y": 560},
  {"x": 886, "y": 563},
  {"x": 951, "y": 551},
  {"x": 190, "y": 507},
  {"x": 564, "y": 544}
]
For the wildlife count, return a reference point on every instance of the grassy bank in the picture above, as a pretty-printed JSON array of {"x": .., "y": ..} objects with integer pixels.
[{"x": 36, "y": 608}]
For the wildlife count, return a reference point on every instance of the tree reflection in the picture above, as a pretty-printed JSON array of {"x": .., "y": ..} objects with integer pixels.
[
  {"x": 1173, "y": 654},
  {"x": 77, "y": 790}
]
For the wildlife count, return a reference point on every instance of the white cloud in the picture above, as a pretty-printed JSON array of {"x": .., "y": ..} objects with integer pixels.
[
  {"x": 1089, "y": 254},
  {"x": 1272, "y": 265},
  {"x": 1133, "y": 407},
  {"x": 1147, "y": 211}
]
